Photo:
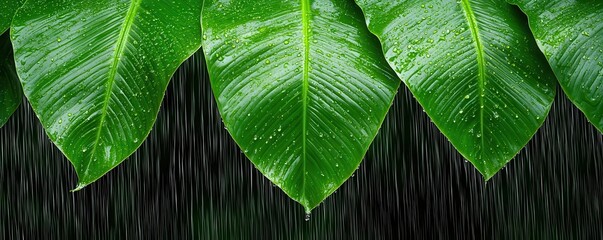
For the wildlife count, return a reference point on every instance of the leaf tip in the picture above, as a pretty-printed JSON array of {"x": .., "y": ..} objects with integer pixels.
[
  {"x": 488, "y": 176},
  {"x": 308, "y": 206},
  {"x": 308, "y": 209},
  {"x": 79, "y": 187}
]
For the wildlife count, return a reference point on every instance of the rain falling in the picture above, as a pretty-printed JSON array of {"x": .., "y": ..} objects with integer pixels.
[{"x": 190, "y": 180}]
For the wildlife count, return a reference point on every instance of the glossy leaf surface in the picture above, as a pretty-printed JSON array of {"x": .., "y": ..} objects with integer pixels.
[
  {"x": 474, "y": 67},
  {"x": 302, "y": 87},
  {"x": 7, "y": 11},
  {"x": 570, "y": 33},
  {"x": 10, "y": 88},
  {"x": 95, "y": 71}
]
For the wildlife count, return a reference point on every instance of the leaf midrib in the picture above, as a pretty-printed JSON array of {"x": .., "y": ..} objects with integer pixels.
[
  {"x": 124, "y": 35},
  {"x": 306, "y": 11},
  {"x": 481, "y": 63}
]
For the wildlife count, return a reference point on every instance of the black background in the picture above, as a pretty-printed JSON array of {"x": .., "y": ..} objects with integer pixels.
[{"x": 190, "y": 180}]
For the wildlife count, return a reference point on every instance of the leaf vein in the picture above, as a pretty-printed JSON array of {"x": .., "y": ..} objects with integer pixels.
[
  {"x": 122, "y": 41},
  {"x": 306, "y": 11},
  {"x": 481, "y": 64}
]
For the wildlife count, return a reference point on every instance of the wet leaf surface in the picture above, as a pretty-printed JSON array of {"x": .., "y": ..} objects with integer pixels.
[
  {"x": 474, "y": 67},
  {"x": 570, "y": 33},
  {"x": 95, "y": 72},
  {"x": 10, "y": 88},
  {"x": 302, "y": 87}
]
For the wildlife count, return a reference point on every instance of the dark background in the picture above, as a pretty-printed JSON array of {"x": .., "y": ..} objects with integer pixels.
[{"x": 190, "y": 180}]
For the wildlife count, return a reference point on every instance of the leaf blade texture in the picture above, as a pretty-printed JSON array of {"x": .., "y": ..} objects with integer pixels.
[
  {"x": 10, "y": 88},
  {"x": 302, "y": 87},
  {"x": 475, "y": 69},
  {"x": 95, "y": 72},
  {"x": 570, "y": 34},
  {"x": 7, "y": 11}
]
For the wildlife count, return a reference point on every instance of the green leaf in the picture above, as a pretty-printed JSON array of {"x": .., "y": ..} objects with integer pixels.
[
  {"x": 95, "y": 71},
  {"x": 475, "y": 69},
  {"x": 570, "y": 33},
  {"x": 302, "y": 87},
  {"x": 7, "y": 11},
  {"x": 10, "y": 88}
]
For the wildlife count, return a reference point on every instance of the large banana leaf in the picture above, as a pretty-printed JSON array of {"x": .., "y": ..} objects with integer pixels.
[
  {"x": 10, "y": 88},
  {"x": 474, "y": 67},
  {"x": 570, "y": 33},
  {"x": 302, "y": 87},
  {"x": 95, "y": 71},
  {"x": 7, "y": 11}
]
